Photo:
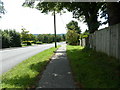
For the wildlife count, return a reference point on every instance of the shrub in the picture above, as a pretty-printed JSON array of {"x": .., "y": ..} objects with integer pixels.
[
  {"x": 28, "y": 43},
  {"x": 38, "y": 42},
  {"x": 10, "y": 38},
  {"x": 15, "y": 40},
  {"x": 72, "y": 37},
  {"x": 5, "y": 39},
  {"x": 33, "y": 42}
]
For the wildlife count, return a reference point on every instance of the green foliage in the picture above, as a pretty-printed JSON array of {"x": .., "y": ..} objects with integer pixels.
[
  {"x": 15, "y": 40},
  {"x": 32, "y": 37},
  {"x": 46, "y": 7},
  {"x": 88, "y": 10},
  {"x": 113, "y": 12},
  {"x": 63, "y": 37},
  {"x": 10, "y": 38},
  {"x": 38, "y": 42},
  {"x": 5, "y": 39},
  {"x": 24, "y": 75},
  {"x": 2, "y": 9},
  {"x": 73, "y": 25},
  {"x": 72, "y": 37},
  {"x": 49, "y": 38},
  {"x": 28, "y": 43},
  {"x": 24, "y": 35},
  {"x": 84, "y": 35},
  {"x": 27, "y": 38},
  {"x": 93, "y": 69}
]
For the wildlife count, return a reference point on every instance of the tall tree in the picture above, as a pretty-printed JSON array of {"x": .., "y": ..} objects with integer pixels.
[
  {"x": 113, "y": 9},
  {"x": 24, "y": 34},
  {"x": 73, "y": 32},
  {"x": 73, "y": 25},
  {"x": 72, "y": 37},
  {"x": 15, "y": 40},
  {"x": 88, "y": 11}
]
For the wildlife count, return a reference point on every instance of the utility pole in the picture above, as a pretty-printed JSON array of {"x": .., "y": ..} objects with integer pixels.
[{"x": 55, "y": 30}]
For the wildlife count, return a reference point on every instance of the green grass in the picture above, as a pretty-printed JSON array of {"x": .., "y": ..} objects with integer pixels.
[
  {"x": 26, "y": 73},
  {"x": 93, "y": 69}
]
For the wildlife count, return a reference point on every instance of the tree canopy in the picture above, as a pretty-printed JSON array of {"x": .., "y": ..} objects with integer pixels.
[
  {"x": 72, "y": 37},
  {"x": 73, "y": 32},
  {"x": 113, "y": 9},
  {"x": 89, "y": 10},
  {"x": 73, "y": 25},
  {"x": 2, "y": 10}
]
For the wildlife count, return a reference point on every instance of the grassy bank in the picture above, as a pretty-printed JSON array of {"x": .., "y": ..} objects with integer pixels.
[
  {"x": 25, "y": 74},
  {"x": 93, "y": 69}
]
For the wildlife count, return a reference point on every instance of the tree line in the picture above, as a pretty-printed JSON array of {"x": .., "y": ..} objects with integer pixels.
[
  {"x": 11, "y": 38},
  {"x": 40, "y": 38}
]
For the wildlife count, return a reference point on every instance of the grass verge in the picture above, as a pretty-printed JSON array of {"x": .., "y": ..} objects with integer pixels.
[
  {"x": 93, "y": 69},
  {"x": 25, "y": 74}
]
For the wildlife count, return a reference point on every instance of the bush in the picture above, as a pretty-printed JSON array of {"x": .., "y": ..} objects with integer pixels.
[
  {"x": 28, "y": 43},
  {"x": 15, "y": 40},
  {"x": 38, "y": 42},
  {"x": 5, "y": 39},
  {"x": 72, "y": 37},
  {"x": 33, "y": 42},
  {"x": 10, "y": 38}
]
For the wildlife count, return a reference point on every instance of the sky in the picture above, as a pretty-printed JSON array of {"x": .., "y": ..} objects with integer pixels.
[{"x": 33, "y": 20}]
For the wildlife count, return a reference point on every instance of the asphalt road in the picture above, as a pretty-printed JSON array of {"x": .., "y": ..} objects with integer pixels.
[{"x": 11, "y": 57}]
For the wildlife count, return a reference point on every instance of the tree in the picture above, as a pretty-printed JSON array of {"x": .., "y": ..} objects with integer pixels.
[
  {"x": 15, "y": 40},
  {"x": 113, "y": 9},
  {"x": 73, "y": 25},
  {"x": 32, "y": 37},
  {"x": 40, "y": 37},
  {"x": 5, "y": 39},
  {"x": 24, "y": 34},
  {"x": 53, "y": 9},
  {"x": 88, "y": 11},
  {"x": 63, "y": 37},
  {"x": 72, "y": 37},
  {"x": 10, "y": 38},
  {"x": 110, "y": 11},
  {"x": 2, "y": 10}
]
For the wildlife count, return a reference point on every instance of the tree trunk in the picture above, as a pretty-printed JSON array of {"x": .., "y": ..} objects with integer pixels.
[
  {"x": 113, "y": 9},
  {"x": 92, "y": 23}
]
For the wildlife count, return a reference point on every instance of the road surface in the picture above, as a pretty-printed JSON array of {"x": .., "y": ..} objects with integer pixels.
[{"x": 11, "y": 57}]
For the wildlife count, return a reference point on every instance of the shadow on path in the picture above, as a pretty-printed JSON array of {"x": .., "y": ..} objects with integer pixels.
[{"x": 57, "y": 73}]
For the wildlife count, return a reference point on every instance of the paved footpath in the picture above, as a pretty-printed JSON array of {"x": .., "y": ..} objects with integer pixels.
[{"x": 57, "y": 73}]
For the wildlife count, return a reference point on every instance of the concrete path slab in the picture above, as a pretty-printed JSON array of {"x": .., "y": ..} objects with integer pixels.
[{"x": 58, "y": 72}]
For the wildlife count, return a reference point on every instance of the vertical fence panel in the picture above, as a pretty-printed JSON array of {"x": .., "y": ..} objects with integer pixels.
[
  {"x": 114, "y": 41},
  {"x": 119, "y": 41},
  {"x": 107, "y": 40}
]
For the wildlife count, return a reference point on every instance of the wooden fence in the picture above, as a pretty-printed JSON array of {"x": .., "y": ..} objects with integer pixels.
[{"x": 107, "y": 40}]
